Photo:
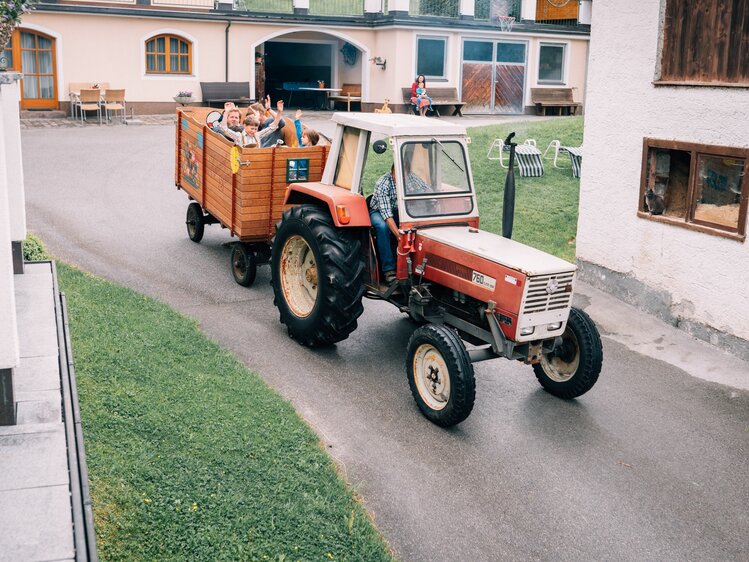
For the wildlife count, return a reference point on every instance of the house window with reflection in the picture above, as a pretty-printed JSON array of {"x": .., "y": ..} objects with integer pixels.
[
  {"x": 431, "y": 54},
  {"x": 551, "y": 63},
  {"x": 168, "y": 54}
]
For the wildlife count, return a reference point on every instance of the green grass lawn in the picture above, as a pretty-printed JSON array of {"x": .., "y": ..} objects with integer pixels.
[
  {"x": 545, "y": 207},
  {"x": 190, "y": 455}
]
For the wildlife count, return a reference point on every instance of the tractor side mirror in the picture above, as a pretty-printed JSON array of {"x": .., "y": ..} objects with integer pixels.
[{"x": 379, "y": 146}]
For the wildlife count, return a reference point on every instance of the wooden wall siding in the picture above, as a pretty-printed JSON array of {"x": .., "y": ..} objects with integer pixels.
[
  {"x": 249, "y": 203},
  {"x": 556, "y": 10},
  {"x": 477, "y": 87},
  {"x": 706, "y": 41},
  {"x": 508, "y": 88}
]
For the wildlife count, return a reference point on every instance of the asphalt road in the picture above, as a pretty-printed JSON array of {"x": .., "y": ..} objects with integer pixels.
[{"x": 649, "y": 465}]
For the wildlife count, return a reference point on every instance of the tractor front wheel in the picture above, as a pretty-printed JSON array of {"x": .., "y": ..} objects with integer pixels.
[
  {"x": 440, "y": 374},
  {"x": 573, "y": 367},
  {"x": 318, "y": 276}
]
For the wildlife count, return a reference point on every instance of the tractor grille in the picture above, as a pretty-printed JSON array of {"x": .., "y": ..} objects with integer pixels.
[
  {"x": 448, "y": 266},
  {"x": 538, "y": 299}
]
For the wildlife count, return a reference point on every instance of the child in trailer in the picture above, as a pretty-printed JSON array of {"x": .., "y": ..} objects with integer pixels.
[
  {"x": 305, "y": 136},
  {"x": 252, "y": 135}
]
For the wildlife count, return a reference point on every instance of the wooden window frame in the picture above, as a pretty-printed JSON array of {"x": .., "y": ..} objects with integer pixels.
[
  {"x": 688, "y": 221},
  {"x": 167, "y": 54},
  {"x": 678, "y": 41}
]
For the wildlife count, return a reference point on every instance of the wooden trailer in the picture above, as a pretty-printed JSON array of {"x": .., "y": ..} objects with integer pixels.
[{"x": 242, "y": 189}]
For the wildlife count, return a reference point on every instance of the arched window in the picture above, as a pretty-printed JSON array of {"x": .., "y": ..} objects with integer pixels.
[{"x": 168, "y": 54}]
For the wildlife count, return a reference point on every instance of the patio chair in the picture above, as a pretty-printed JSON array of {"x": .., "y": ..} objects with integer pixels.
[
  {"x": 89, "y": 100},
  {"x": 575, "y": 154},
  {"x": 499, "y": 146},
  {"x": 114, "y": 100}
]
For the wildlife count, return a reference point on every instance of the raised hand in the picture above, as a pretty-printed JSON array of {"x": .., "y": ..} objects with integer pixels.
[
  {"x": 279, "y": 105},
  {"x": 298, "y": 114}
]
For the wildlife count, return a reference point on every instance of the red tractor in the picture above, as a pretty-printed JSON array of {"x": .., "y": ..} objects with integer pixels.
[{"x": 464, "y": 285}]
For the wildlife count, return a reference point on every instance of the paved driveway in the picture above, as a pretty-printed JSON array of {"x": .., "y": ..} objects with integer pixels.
[{"x": 650, "y": 465}]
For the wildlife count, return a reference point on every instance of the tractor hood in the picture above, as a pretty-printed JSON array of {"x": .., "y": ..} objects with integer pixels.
[{"x": 493, "y": 247}]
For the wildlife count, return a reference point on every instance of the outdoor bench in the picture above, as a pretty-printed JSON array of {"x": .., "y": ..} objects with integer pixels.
[
  {"x": 222, "y": 92},
  {"x": 554, "y": 97},
  {"x": 349, "y": 93},
  {"x": 441, "y": 97}
]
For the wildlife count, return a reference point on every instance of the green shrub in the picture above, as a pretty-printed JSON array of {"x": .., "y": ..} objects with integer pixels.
[{"x": 33, "y": 249}]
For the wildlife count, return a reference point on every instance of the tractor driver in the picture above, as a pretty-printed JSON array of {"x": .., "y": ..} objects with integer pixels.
[{"x": 382, "y": 208}]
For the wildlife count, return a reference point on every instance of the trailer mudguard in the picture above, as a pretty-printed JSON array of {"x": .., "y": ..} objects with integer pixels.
[{"x": 347, "y": 209}]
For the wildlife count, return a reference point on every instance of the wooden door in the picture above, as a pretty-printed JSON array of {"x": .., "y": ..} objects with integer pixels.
[
  {"x": 493, "y": 76},
  {"x": 476, "y": 91},
  {"x": 35, "y": 52},
  {"x": 509, "y": 77}
]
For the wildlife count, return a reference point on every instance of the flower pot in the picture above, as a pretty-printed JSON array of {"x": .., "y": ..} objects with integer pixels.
[{"x": 182, "y": 99}]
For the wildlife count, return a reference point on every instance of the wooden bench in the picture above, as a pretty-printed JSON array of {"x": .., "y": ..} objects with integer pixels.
[
  {"x": 221, "y": 92},
  {"x": 441, "y": 97},
  {"x": 560, "y": 98},
  {"x": 349, "y": 93}
]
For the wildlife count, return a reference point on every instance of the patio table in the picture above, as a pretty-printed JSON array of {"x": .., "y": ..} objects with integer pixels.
[{"x": 323, "y": 99}]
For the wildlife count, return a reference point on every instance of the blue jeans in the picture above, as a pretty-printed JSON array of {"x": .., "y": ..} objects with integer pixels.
[{"x": 383, "y": 241}]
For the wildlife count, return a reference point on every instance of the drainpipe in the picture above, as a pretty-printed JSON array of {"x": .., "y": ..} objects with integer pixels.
[{"x": 226, "y": 31}]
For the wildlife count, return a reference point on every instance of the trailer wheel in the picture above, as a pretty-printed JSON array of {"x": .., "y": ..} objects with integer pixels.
[
  {"x": 243, "y": 264},
  {"x": 440, "y": 374},
  {"x": 195, "y": 222},
  {"x": 317, "y": 276},
  {"x": 572, "y": 368}
]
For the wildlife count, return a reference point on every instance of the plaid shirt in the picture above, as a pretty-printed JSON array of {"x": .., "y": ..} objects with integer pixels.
[{"x": 384, "y": 197}]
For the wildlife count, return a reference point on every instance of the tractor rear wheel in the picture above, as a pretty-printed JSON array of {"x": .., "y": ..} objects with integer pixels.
[
  {"x": 317, "y": 276},
  {"x": 440, "y": 374},
  {"x": 573, "y": 367},
  {"x": 195, "y": 222}
]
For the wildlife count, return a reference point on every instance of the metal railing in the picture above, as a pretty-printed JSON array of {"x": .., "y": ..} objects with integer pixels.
[
  {"x": 438, "y": 8},
  {"x": 208, "y": 4},
  {"x": 336, "y": 7},
  {"x": 491, "y": 9},
  {"x": 566, "y": 23},
  {"x": 265, "y": 6}
]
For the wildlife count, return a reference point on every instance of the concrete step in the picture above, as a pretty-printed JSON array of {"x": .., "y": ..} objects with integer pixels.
[{"x": 46, "y": 114}]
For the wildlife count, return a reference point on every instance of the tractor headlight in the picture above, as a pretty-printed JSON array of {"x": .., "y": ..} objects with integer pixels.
[
  {"x": 555, "y": 326},
  {"x": 527, "y": 331}
]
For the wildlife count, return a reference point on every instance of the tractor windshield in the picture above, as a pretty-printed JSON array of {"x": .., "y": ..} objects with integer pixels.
[{"x": 436, "y": 179}]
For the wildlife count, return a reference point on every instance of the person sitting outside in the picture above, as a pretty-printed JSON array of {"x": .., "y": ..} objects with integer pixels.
[
  {"x": 271, "y": 139},
  {"x": 230, "y": 124},
  {"x": 419, "y": 99},
  {"x": 305, "y": 135},
  {"x": 382, "y": 208},
  {"x": 252, "y": 136}
]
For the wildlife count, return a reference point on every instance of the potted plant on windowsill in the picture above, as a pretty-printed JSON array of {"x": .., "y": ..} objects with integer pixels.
[
  {"x": 10, "y": 17},
  {"x": 183, "y": 97}
]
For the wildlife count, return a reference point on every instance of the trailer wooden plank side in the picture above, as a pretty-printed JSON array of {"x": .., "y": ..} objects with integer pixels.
[{"x": 250, "y": 201}]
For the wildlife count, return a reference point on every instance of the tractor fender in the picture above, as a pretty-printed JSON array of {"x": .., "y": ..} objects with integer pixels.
[{"x": 341, "y": 203}]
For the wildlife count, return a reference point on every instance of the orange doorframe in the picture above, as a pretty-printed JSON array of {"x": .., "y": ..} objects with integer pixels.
[{"x": 35, "y": 103}]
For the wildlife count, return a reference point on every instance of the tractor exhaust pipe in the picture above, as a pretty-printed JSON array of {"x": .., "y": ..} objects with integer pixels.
[{"x": 508, "y": 205}]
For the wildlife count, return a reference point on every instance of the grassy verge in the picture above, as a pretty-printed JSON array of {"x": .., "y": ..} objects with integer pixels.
[
  {"x": 545, "y": 207},
  {"x": 190, "y": 456}
]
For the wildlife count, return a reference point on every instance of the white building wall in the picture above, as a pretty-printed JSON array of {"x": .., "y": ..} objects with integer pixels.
[
  {"x": 9, "y": 352},
  {"x": 706, "y": 275}
]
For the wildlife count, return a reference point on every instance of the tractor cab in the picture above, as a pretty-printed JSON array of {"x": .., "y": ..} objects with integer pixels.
[{"x": 432, "y": 170}]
